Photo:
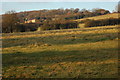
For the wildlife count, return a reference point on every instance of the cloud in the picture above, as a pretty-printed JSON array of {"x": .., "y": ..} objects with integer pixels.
[{"x": 60, "y": 0}]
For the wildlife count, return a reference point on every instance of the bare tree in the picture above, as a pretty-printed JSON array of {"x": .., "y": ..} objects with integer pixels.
[{"x": 9, "y": 21}]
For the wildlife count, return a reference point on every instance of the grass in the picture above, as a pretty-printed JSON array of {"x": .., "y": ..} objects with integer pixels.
[
  {"x": 73, "y": 53},
  {"x": 112, "y": 15}
]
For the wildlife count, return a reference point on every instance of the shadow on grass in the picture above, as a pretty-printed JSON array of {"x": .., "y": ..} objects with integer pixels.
[
  {"x": 59, "y": 40},
  {"x": 49, "y": 57},
  {"x": 56, "y": 31}
]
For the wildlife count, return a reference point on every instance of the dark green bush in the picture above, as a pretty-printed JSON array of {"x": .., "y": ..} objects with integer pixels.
[
  {"x": 102, "y": 22},
  {"x": 59, "y": 25}
]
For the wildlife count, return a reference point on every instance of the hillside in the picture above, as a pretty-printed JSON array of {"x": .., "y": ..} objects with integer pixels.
[
  {"x": 111, "y": 15},
  {"x": 107, "y": 16},
  {"x": 72, "y": 53},
  {"x": 67, "y": 14},
  {"x": 46, "y": 19}
]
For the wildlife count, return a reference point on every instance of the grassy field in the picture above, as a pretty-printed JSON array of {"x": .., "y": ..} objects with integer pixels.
[
  {"x": 112, "y": 15},
  {"x": 73, "y": 53}
]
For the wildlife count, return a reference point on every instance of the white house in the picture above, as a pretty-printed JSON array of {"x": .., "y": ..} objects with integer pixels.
[{"x": 31, "y": 21}]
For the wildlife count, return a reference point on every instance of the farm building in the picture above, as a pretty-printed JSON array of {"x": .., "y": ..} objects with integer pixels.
[{"x": 31, "y": 21}]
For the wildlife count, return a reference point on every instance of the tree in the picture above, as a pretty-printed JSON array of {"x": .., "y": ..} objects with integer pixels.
[
  {"x": 10, "y": 21},
  {"x": 98, "y": 11},
  {"x": 76, "y": 10}
]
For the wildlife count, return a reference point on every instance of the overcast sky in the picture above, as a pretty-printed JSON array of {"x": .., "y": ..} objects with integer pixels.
[
  {"x": 28, "y": 5},
  {"x": 59, "y": 0}
]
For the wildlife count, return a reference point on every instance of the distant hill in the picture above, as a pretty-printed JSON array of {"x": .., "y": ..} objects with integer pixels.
[
  {"x": 111, "y": 15},
  {"x": 55, "y": 19},
  {"x": 58, "y": 14},
  {"x": 106, "y": 16},
  {"x": 55, "y": 14}
]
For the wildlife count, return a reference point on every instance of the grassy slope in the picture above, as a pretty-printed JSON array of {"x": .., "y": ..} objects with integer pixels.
[
  {"x": 112, "y": 15},
  {"x": 78, "y": 53}
]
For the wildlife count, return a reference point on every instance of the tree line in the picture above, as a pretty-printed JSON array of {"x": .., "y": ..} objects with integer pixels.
[
  {"x": 47, "y": 19},
  {"x": 66, "y": 14},
  {"x": 63, "y": 24},
  {"x": 102, "y": 22}
]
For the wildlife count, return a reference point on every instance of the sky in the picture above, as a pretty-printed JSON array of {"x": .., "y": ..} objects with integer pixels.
[
  {"x": 29, "y": 5},
  {"x": 59, "y": 0}
]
